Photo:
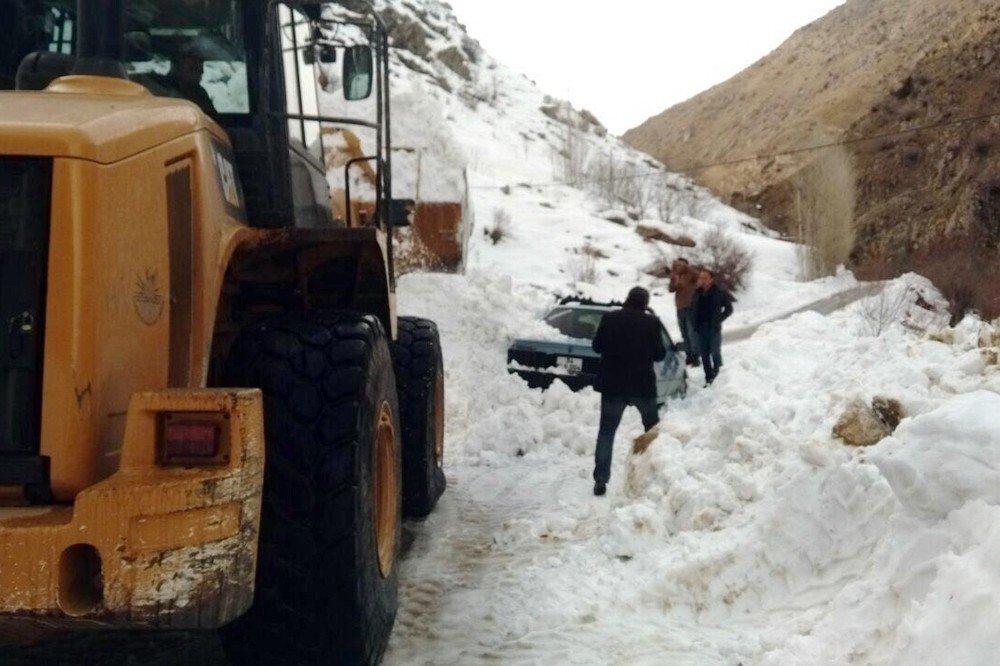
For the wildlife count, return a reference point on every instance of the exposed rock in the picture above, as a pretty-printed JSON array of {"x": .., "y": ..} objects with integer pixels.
[
  {"x": 553, "y": 111},
  {"x": 617, "y": 216},
  {"x": 405, "y": 33},
  {"x": 453, "y": 58},
  {"x": 472, "y": 49},
  {"x": 651, "y": 233},
  {"x": 861, "y": 426},
  {"x": 581, "y": 119}
]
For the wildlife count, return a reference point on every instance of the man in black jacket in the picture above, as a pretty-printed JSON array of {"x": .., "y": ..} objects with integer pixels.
[
  {"x": 712, "y": 306},
  {"x": 629, "y": 341}
]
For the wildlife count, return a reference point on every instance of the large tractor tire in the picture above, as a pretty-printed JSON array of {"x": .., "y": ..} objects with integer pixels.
[
  {"x": 420, "y": 386},
  {"x": 330, "y": 523}
]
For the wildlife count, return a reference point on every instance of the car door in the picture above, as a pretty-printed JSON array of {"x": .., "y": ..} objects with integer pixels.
[{"x": 671, "y": 373}]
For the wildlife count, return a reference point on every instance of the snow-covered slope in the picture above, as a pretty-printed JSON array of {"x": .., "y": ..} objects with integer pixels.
[
  {"x": 464, "y": 110},
  {"x": 747, "y": 533}
]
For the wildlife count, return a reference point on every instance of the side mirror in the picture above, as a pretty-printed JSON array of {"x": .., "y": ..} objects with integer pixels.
[
  {"x": 359, "y": 72},
  {"x": 401, "y": 211},
  {"x": 309, "y": 55}
]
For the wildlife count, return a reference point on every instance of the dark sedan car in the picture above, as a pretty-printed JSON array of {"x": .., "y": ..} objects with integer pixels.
[{"x": 569, "y": 357}]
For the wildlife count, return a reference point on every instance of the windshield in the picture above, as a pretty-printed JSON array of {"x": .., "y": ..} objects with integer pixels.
[
  {"x": 193, "y": 49},
  {"x": 575, "y": 322}
]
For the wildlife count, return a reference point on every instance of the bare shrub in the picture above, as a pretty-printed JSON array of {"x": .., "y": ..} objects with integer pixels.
[
  {"x": 881, "y": 311},
  {"x": 727, "y": 258},
  {"x": 825, "y": 199},
  {"x": 662, "y": 265},
  {"x": 620, "y": 184},
  {"x": 606, "y": 175},
  {"x": 672, "y": 204},
  {"x": 572, "y": 154},
  {"x": 582, "y": 267},
  {"x": 967, "y": 272},
  {"x": 889, "y": 410},
  {"x": 501, "y": 225},
  {"x": 632, "y": 189}
]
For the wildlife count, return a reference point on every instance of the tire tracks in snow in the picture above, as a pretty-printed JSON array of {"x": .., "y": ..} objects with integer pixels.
[
  {"x": 494, "y": 576},
  {"x": 460, "y": 556}
]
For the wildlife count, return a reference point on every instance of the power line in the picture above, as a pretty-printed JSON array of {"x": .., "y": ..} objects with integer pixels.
[{"x": 768, "y": 156}]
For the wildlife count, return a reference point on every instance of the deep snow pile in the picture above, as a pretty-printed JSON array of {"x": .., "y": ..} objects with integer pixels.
[{"x": 847, "y": 555}]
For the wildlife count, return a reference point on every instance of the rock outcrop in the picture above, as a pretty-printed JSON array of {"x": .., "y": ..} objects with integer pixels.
[{"x": 927, "y": 201}]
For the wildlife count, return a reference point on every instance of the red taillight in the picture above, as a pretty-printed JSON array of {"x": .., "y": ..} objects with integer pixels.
[{"x": 185, "y": 439}]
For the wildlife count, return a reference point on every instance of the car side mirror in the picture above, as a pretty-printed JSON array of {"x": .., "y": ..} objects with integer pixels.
[
  {"x": 359, "y": 73},
  {"x": 401, "y": 212}
]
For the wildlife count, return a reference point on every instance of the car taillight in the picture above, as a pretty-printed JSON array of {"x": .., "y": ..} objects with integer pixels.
[{"x": 184, "y": 440}]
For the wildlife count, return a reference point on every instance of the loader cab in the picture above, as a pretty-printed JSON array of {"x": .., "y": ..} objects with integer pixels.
[{"x": 279, "y": 76}]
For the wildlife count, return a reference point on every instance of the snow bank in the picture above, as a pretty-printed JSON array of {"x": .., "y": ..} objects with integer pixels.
[
  {"x": 849, "y": 555},
  {"x": 938, "y": 462}
]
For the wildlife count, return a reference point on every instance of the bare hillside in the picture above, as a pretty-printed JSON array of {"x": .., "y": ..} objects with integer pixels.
[{"x": 868, "y": 67}]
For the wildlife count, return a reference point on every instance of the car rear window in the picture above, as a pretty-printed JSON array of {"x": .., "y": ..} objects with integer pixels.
[{"x": 575, "y": 323}]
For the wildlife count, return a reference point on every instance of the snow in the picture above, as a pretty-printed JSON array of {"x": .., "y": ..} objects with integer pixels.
[
  {"x": 932, "y": 482},
  {"x": 746, "y": 533}
]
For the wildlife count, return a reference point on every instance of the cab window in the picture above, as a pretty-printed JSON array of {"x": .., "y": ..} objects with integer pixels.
[
  {"x": 176, "y": 48},
  {"x": 195, "y": 51},
  {"x": 301, "y": 94}
]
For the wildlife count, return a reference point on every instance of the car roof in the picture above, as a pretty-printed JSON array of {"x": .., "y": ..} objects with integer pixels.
[{"x": 585, "y": 306}]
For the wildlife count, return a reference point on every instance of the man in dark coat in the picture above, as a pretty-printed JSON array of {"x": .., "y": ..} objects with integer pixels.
[
  {"x": 712, "y": 306},
  {"x": 629, "y": 341}
]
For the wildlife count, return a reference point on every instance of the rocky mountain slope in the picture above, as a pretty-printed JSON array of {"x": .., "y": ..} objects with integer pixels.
[{"x": 870, "y": 67}]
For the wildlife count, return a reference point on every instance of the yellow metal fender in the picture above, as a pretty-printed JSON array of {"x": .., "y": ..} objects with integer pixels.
[{"x": 154, "y": 545}]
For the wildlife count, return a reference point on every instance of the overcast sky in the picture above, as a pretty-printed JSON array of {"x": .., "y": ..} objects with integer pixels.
[{"x": 626, "y": 60}]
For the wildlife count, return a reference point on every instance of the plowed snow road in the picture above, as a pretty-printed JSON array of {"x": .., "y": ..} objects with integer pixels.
[{"x": 498, "y": 539}]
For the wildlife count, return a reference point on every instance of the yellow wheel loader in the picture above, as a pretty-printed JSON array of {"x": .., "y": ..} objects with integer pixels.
[{"x": 210, "y": 415}]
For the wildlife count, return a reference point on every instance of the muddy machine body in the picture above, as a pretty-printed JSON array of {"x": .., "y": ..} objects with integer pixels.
[{"x": 210, "y": 410}]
